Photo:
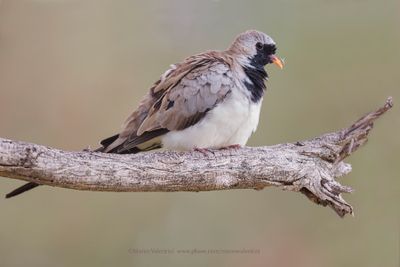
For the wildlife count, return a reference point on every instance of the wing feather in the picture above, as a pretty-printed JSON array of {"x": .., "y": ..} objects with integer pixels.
[
  {"x": 181, "y": 98},
  {"x": 192, "y": 97}
]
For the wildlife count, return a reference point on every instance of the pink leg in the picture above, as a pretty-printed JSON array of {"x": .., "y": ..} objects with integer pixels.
[
  {"x": 204, "y": 151},
  {"x": 235, "y": 146}
]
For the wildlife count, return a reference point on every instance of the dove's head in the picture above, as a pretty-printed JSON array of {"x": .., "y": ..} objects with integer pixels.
[{"x": 256, "y": 49}]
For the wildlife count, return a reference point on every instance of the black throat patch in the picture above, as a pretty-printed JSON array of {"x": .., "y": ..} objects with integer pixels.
[
  {"x": 256, "y": 72},
  {"x": 257, "y": 75}
]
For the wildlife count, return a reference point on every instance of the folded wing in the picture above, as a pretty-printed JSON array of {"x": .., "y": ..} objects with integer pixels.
[{"x": 181, "y": 98}]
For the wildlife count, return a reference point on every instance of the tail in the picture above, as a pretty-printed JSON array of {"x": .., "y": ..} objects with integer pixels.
[
  {"x": 22, "y": 189},
  {"x": 31, "y": 185},
  {"x": 111, "y": 145}
]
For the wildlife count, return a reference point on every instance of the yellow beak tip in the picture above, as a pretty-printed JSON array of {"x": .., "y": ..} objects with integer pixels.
[{"x": 277, "y": 61}]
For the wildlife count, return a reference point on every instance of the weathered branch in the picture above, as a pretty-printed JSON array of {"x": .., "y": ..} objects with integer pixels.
[{"x": 310, "y": 167}]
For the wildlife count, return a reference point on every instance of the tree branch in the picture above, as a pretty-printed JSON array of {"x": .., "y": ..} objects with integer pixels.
[{"x": 310, "y": 167}]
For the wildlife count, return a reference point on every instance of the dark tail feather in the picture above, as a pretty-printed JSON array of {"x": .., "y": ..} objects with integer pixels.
[
  {"x": 130, "y": 145},
  {"x": 106, "y": 142},
  {"x": 121, "y": 149},
  {"x": 22, "y": 189}
]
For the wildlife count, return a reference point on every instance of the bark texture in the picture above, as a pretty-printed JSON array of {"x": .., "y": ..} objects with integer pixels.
[{"x": 310, "y": 167}]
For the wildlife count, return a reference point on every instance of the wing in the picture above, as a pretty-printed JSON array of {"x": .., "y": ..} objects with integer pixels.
[
  {"x": 181, "y": 98},
  {"x": 189, "y": 100}
]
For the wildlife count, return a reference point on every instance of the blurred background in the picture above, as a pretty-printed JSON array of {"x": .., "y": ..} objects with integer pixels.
[{"x": 72, "y": 70}]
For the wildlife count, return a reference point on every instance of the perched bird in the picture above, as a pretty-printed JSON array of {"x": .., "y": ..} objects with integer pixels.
[{"x": 209, "y": 100}]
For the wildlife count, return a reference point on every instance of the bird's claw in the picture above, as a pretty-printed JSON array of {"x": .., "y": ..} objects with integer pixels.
[
  {"x": 204, "y": 151},
  {"x": 235, "y": 146}
]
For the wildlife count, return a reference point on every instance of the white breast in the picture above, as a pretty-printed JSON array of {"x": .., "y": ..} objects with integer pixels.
[{"x": 230, "y": 123}]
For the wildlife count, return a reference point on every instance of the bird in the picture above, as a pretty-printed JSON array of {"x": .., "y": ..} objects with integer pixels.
[{"x": 210, "y": 100}]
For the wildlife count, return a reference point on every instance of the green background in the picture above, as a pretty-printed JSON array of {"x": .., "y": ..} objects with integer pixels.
[{"x": 71, "y": 71}]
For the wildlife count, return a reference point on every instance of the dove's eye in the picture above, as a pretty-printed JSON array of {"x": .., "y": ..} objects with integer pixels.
[{"x": 259, "y": 46}]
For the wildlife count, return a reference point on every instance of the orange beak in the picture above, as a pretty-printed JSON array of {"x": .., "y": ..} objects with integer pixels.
[{"x": 277, "y": 61}]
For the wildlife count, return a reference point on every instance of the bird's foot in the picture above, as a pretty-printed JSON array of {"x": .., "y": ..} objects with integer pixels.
[
  {"x": 235, "y": 146},
  {"x": 205, "y": 151}
]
